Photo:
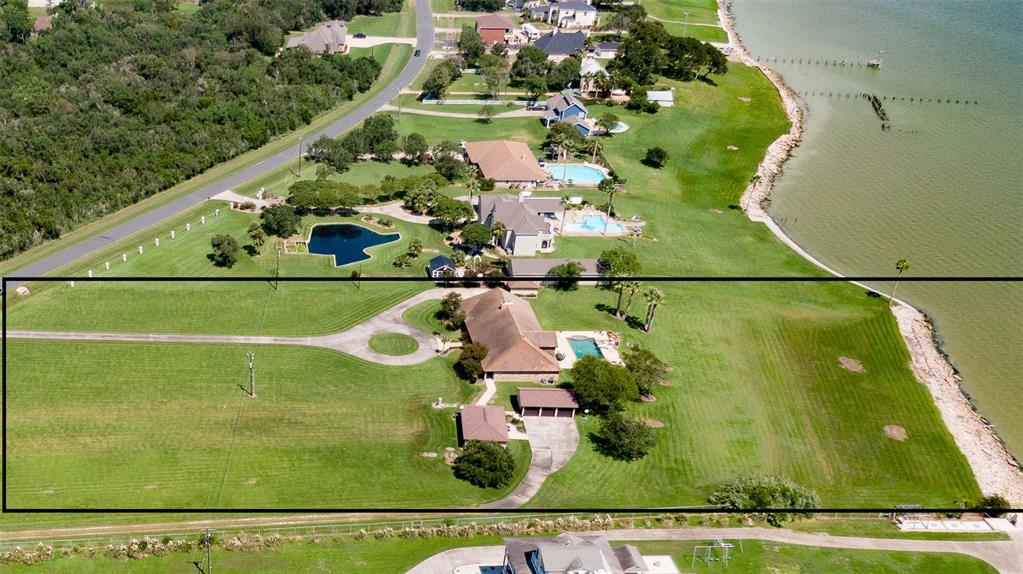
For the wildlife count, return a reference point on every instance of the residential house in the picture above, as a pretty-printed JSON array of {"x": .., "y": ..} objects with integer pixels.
[
  {"x": 546, "y": 402},
  {"x": 325, "y": 38},
  {"x": 564, "y": 107},
  {"x": 539, "y": 267},
  {"x": 590, "y": 72},
  {"x": 568, "y": 14},
  {"x": 476, "y": 422},
  {"x": 663, "y": 98},
  {"x": 571, "y": 554},
  {"x": 494, "y": 29},
  {"x": 441, "y": 266},
  {"x": 508, "y": 163},
  {"x": 560, "y": 45},
  {"x": 604, "y": 50},
  {"x": 517, "y": 348},
  {"x": 529, "y": 222}
]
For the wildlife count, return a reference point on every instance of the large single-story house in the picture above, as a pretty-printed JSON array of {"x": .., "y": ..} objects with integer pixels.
[
  {"x": 560, "y": 45},
  {"x": 494, "y": 29},
  {"x": 541, "y": 266},
  {"x": 517, "y": 348},
  {"x": 546, "y": 402},
  {"x": 571, "y": 554},
  {"x": 567, "y": 14},
  {"x": 325, "y": 38},
  {"x": 477, "y": 422},
  {"x": 663, "y": 98},
  {"x": 508, "y": 163},
  {"x": 529, "y": 222},
  {"x": 564, "y": 107}
]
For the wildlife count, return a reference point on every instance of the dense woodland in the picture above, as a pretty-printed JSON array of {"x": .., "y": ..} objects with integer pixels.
[{"x": 120, "y": 101}]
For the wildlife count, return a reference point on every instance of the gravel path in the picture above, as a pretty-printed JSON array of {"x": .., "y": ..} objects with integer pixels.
[{"x": 423, "y": 41}]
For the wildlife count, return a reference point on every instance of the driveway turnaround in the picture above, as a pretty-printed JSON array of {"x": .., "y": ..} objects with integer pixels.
[
  {"x": 553, "y": 441},
  {"x": 353, "y": 341},
  {"x": 1002, "y": 555},
  {"x": 423, "y": 42}
]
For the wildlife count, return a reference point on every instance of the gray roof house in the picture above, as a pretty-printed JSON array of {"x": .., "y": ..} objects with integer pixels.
[
  {"x": 529, "y": 222},
  {"x": 441, "y": 266},
  {"x": 560, "y": 45},
  {"x": 325, "y": 38},
  {"x": 564, "y": 107},
  {"x": 570, "y": 554},
  {"x": 541, "y": 266}
]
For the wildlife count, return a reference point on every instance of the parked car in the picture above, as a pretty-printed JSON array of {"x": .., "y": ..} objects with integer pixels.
[
  {"x": 360, "y": 36},
  {"x": 417, "y": 54}
]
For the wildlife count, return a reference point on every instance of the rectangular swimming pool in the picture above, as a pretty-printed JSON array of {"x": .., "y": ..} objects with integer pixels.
[
  {"x": 584, "y": 346},
  {"x": 594, "y": 223}
]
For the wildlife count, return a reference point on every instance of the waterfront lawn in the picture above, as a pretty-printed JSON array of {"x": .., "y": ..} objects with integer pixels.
[
  {"x": 764, "y": 556},
  {"x": 107, "y": 424}
]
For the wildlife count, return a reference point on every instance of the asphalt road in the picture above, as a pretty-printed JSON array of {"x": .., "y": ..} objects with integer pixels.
[{"x": 424, "y": 43}]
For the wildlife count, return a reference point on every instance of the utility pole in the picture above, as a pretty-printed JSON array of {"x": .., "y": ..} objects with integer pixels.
[
  {"x": 685, "y": 26},
  {"x": 206, "y": 566},
  {"x": 299, "y": 157},
  {"x": 252, "y": 375},
  {"x": 277, "y": 269}
]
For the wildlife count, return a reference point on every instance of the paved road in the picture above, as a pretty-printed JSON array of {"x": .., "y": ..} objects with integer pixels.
[
  {"x": 424, "y": 42},
  {"x": 553, "y": 441},
  {"x": 353, "y": 341},
  {"x": 1005, "y": 556}
]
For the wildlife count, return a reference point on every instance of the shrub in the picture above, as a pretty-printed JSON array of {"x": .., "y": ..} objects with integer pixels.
[
  {"x": 470, "y": 362},
  {"x": 655, "y": 157},
  {"x": 646, "y": 369},
  {"x": 484, "y": 464},
  {"x": 600, "y": 386},
  {"x": 625, "y": 438},
  {"x": 402, "y": 261},
  {"x": 247, "y": 206},
  {"x": 488, "y": 184},
  {"x": 225, "y": 250},
  {"x": 994, "y": 505},
  {"x": 565, "y": 277},
  {"x": 766, "y": 492},
  {"x": 476, "y": 235}
]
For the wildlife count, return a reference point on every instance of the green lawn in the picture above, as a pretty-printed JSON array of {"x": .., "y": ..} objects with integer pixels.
[
  {"x": 424, "y": 316},
  {"x": 700, "y": 11},
  {"x": 152, "y": 426},
  {"x": 393, "y": 344},
  {"x": 761, "y": 556},
  {"x": 881, "y": 528}
]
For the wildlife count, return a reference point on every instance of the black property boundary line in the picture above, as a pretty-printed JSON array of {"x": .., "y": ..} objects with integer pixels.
[{"x": 4, "y": 508}]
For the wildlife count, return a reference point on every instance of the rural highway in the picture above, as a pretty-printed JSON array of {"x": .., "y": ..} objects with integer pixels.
[{"x": 415, "y": 65}]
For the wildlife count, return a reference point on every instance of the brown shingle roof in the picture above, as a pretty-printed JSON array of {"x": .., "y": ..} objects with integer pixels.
[
  {"x": 511, "y": 333},
  {"x": 494, "y": 21},
  {"x": 503, "y": 160},
  {"x": 546, "y": 398},
  {"x": 483, "y": 423},
  {"x": 325, "y": 38}
]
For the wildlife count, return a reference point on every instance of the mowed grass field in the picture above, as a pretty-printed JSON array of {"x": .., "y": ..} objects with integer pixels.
[
  {"x": 757, "y": 386},
  {"x": 154, "y": 426}
]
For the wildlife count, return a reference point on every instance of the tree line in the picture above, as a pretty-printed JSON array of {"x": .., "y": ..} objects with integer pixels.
[{"x": 123, "y": 100}]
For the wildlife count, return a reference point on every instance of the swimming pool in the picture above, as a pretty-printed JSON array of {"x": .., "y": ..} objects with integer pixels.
[
  {"x": 584, "y": 347},
  {"x": 594, "y": 223},
  {"x": 575, "y": 173},
  {"x": 346, "y": 242}
]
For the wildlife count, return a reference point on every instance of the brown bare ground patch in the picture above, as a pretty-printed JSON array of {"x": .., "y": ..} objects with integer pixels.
[
  {"x": 152, "y": 485},
  {"x": 732, "y": 148},
  {"x": 251, "y": 481},
  {"x": 745, "y": 99},
  {"x": 647, "y": 398},
  {"x": 653, "y": 423},
  {"x": 428, "y": 454},
  {"x": 48, "y": 491},
  {"x": 851, "y": 364},
  {"x": 716, "y": 210},
  {"x": 896, "y": 432}
]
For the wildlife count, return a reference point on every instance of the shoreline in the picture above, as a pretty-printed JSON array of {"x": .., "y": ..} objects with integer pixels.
[{"x": 994, "y": 467}]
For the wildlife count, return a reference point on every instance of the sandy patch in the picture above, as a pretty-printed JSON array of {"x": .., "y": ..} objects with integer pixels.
[
  {"x": 48, "y": 491},
  {"x": 732, "y": 148},
  {"x": 896, "y": 432},
  {"x": 152, "y": 486},
  {"x": 428, "y": 454},
  {"x": 745, "y": 99},
  {"x": 647, "y": 398},
  {"x": 716, "y": 210},
  {"x": 653, "y": 423},
  {"x": 251, "y": 481},
  {"x": 851, "y": 364}
]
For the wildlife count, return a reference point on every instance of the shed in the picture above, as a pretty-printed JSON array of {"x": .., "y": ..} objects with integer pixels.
[{"x": 477, "y": 422}]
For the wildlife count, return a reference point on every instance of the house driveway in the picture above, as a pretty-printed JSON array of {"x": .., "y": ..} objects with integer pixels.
[
  {"x": 553, "y": 441},
  {"x": 446, "y": 562},
  {"x": 353, "y": 341}
]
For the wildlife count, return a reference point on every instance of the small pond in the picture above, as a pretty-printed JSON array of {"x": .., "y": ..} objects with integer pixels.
[{"x": 346, "y": 242}]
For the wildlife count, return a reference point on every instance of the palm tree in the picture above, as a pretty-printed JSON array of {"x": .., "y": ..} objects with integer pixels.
[
  {"x": 498, "y": 229},
  {"x": 472, "y": 180},
  {"x": 632, "y": 288},
  {"x": 596, "y": 149},
  {"x": 619, "y": 286},
  {"x": 654, "y": 297},
  {"x": 902, "y": 265},
  {"x": 608, "y": 187}
]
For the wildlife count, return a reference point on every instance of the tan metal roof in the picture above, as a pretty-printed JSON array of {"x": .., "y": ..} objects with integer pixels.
[
  {"x": 494, "y": 21},
  {"x": 503, "y": 160},
  {"x": 509, "y": 329},
  {"x": 546, "y": 398},
  {"x": 483, "y": 423}
]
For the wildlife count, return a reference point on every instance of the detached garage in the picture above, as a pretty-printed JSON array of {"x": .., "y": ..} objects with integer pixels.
[{"x": 539, "y": 402}]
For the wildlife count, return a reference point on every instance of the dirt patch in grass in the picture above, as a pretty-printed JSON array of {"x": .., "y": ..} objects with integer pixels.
[
  {"x": 716, "y": 210},
  {"x": 896, "y": 432},
  {"x": 745, "y": 99},
  {"x": 851, "y": 364},
  {"x": 732, "y": 148},
  {"x": 152, "y": 486},
  {"x": 653, "y": 423},
  {"x": 647, "y": 398},
  {"x": 428, "y": 454},
  {"x": 251, "y": 481}
]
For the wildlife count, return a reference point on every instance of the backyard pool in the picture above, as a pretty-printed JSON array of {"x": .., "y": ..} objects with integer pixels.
[
  {"x": 584, "y": 346},
  {"x": 594, "y": 223},
  {"x": 346, "y": 242},
  {"x": 575, "y": 173}
]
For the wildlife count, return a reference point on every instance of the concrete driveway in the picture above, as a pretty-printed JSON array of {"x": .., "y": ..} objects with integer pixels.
[
  {"x": 446, "y": 562},
  {"x": 553, "y": 442},
  {"x": 353, "y": 341}
]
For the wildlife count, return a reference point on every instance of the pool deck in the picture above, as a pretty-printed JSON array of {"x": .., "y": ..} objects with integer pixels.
[
  {"x": 608, "y": 350},
  {"x": 574, "y": 215},
  {"x": 551, "y": 167}
]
